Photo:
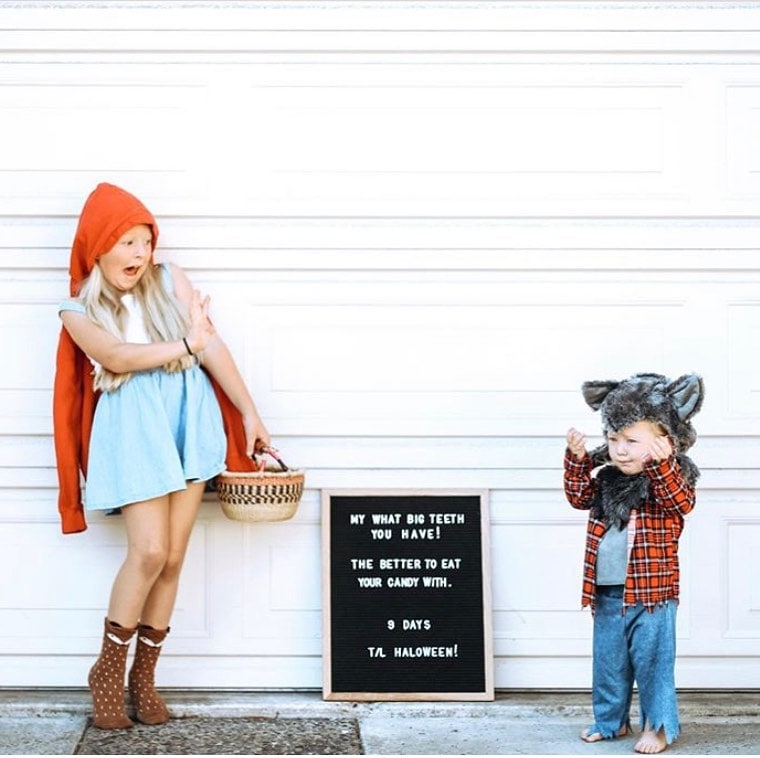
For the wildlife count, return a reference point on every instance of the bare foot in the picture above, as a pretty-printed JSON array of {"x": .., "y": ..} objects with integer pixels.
[
  {"x": 588, "y": 736},
  {"x": 651, "y": 742}
]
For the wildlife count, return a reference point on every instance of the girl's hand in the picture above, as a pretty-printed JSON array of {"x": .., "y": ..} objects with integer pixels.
[
  {"x": 576, "y": 442},
  {"x": 660, "y": 449},
  {"x": 201, "y": 328},
  {"x": 256, "y": 434}
]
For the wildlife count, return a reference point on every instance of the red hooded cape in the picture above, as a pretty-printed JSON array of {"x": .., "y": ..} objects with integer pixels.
[{"x": 108, "y": 212}]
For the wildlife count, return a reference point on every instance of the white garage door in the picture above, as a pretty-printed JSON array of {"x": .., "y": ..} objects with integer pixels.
[{"x": 422, "y": 226}]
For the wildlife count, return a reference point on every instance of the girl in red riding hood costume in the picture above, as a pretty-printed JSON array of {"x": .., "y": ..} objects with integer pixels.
[{"x": 148, "y": 405}]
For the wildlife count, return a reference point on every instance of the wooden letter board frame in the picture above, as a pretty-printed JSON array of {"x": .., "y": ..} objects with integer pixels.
[{"x": 400, "y": 636}]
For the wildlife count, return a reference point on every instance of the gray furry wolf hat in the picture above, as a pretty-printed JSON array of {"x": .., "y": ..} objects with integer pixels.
[
  {"x": 641, "y": 397},
  {"x": 649, "y": 397}
]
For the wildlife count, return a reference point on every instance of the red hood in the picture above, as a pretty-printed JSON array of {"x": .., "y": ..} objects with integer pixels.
[{"x": 108, "y": 212}]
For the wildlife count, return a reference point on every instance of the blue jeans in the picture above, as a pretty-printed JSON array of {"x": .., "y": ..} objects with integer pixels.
[{"x": 636, "y": 646}]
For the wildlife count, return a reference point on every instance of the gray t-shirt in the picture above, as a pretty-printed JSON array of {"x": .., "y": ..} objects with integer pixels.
[{"x": 612, "y": 556}]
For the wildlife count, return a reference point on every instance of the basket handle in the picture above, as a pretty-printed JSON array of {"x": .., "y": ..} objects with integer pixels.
[{"x": 270, "y": 451}]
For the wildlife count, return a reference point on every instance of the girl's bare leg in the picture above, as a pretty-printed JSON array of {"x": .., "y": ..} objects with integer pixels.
[
  {"x": 147, "y": 527},
  {"x": 182, "y": 512}
]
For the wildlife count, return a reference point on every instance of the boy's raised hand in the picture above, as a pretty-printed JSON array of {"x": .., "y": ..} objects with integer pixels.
[
  {"x": 660, "y": 449},
  {"x": 576, "y": 442}
]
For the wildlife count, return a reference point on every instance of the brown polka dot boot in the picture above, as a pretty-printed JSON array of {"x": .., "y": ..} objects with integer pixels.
[
  {"x": 106, "y": 679},
  {"x": 149, "y": 705}
]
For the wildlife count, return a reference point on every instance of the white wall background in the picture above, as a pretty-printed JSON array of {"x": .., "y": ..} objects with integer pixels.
[{"x": 422, "y": 226}]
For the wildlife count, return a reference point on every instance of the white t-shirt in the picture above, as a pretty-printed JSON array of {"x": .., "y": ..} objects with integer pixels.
[{"x": 135, "y": 327}]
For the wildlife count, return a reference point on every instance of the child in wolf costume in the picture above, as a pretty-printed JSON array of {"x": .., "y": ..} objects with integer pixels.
[{"x": 636, "y": 502}]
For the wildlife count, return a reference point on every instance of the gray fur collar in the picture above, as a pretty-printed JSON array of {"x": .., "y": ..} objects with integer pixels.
[{"x": 617, "y": 493}]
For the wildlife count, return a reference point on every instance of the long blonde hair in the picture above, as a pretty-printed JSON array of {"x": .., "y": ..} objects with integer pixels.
[{"x": 165, "y": 317}]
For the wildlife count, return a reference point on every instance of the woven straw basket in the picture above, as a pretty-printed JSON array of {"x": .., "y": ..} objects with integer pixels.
[{"x": 269, "y": 495}]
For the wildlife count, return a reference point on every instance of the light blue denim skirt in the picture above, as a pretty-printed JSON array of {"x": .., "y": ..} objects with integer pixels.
[{"x": 151, "y": 436}]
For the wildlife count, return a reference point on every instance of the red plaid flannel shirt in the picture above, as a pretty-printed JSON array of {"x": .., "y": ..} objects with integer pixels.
[{"x": 653, "y": 572}]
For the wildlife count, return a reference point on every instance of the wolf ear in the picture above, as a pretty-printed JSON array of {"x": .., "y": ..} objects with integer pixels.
[
  {"x": 595, "y": 392},
  {"x": 687, "y": 393}
]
